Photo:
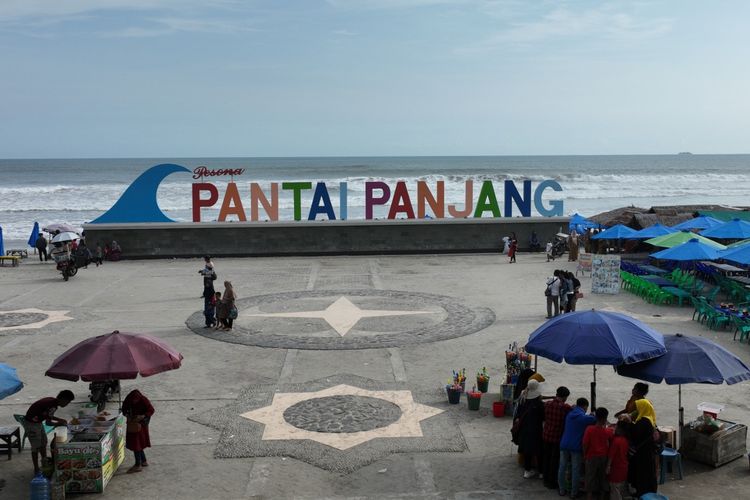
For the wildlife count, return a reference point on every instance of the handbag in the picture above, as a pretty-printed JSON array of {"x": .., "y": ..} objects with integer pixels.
[
  {"x": 233, "y": 313},
  {"x": 547, "y": 292},
  {"x": 133, "y": 426},
  {"x": 579, "y": 295}
]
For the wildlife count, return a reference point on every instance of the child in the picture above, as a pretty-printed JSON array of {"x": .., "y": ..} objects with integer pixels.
[
  {"x": 595, "y": 453},
  {"x": 549, "y": 251},
  {"x": 617, "y": 462},
  {"x": 98, "y": 256},
  {"x": 210, "y": 311}
]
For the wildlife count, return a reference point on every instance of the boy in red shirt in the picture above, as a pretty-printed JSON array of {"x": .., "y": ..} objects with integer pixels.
[
  {"x": 617, "y": 463},
  {"x": 595, "y": 452}
]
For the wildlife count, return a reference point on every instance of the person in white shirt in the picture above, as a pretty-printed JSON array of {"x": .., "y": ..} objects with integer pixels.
[{"x": 553, "y": 294}]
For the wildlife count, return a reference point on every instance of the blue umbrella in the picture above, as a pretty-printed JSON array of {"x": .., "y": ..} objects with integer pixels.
[
  {"x": 734, "y": 229},
  {"x": 595, "y": 338},
  {"x": 689, "y": 360},
  {"x": 702, "y": 222},
  {"x": 618, "y": 232},
  {"x": 690, "y": 250},
  {"x": 653, "y": 231},
  {"x": 580, "y": 224},
  {"x": 738, "y": 255},
  {"x": 34, "y": 235},
  {"x": 9, "y": 383},
  {"x": 2, "y": 247}
]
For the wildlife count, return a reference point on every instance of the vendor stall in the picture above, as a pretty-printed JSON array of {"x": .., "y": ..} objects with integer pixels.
[
  {"x": 94, "y": 449},
  {"x": 714, "y": 444}
]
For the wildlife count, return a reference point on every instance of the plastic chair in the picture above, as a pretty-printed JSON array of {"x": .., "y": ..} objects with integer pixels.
[
  {"x": 668, "y": 457},
  {"x": 21, "y": 419},
  {"x": 742, "y": 327}
]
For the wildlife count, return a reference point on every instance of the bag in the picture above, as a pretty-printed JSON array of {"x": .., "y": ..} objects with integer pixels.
[
  {"x": 579, "y": 295},
  {"x": 547, "y": 292},
  {"x": 515, "y": 431},
  {"x": 233, "y": 313},
  {"x": 133, "y": 427}
]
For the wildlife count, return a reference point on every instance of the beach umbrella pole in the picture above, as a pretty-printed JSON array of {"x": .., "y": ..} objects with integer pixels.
[
  {"x": 593, "y": 390},
  {"x": 682, "y": 416}
]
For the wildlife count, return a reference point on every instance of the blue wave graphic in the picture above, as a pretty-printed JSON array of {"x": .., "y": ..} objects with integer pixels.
[{"x": 138, "y": 203}]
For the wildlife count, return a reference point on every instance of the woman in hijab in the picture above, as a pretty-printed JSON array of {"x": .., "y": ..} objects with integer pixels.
[
  {"x": 227, "y": 306},
  {"x": 642, "y": 467},
  {"x": 138, "y": 410},
  {"x": 531, "y": 417}
]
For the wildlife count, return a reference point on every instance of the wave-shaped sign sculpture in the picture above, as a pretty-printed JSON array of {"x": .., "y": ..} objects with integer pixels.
[{"x": 138, "y": 203}]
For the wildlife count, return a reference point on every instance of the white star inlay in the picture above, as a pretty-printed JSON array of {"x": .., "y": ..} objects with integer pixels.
[
  {"x": 52, "y": 317},
  {"x": 276, "y": 428},
  {"x": 342, "y": 315}
]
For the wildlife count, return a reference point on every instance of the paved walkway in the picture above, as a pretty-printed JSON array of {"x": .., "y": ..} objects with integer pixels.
[{"x": 330, "y": 386}]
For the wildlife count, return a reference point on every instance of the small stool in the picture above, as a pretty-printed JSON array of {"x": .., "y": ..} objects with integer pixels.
[
  {"x": 8, "y": 443},
  {"x": 668, "y": 457}
]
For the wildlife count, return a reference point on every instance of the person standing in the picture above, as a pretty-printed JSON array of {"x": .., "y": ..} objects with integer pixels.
[
  {"x": 138, "y": 410},
  {"x": 548, "y": 250},
  {"x": 553, "y": 293},
  {"x": 642, "y": 465},
  {"x": 228, "y": 306},
  {"x": 571, "y": 447},
  {"x": 209, "y": 276},
  {"x": 617, "y": 463},
  {"x": 513, "y": 247},
  {"x": 596, "y": 440},
  {"x": 573, "y": 285},
  {"x": 572, "y": 246},
  {"x": 41, "y": 246},
  {"x": 555, "y": 411},
  {"x": 530, "y": 420},
  {"x": 640, "y": 390},
  {"x": 39, "y": 413}
]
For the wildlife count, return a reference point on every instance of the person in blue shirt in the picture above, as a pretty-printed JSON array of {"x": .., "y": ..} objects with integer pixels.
[{"x": 571, "y": 446}]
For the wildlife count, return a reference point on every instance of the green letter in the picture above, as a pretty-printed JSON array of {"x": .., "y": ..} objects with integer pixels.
[
  {"x": 487, "y": 201},
  {"x": 297, "y": 188}
]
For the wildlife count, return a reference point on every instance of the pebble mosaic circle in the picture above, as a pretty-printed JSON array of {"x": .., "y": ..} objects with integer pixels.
[
  {"x": 342, "y": 414},
  {"x": 456, "y": 320},
  {"x": 18, "y": 319}
]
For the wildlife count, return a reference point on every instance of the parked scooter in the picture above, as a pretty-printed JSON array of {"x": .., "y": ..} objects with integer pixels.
[{"x": 101, "y": 391}]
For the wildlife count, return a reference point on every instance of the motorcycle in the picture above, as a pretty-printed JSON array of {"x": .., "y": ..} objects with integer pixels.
[
  {"x": 101, "y": 391},
  {"x": 66, "y": 265},
  {"x": 559, "y": 246}
]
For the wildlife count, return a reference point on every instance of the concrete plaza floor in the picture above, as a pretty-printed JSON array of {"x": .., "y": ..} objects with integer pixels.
[{"x": 293, "y": 313}]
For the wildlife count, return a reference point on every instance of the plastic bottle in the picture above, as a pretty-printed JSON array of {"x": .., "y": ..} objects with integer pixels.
[{"x": 40, "y": 488}]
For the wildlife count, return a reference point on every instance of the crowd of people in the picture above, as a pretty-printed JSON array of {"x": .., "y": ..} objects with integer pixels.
[
  {"x": 77, "y": 250},
  {"x": 563, "y": 444},
  {"x": 562, "y": 291},
  {"x": 219, "y": 310}
]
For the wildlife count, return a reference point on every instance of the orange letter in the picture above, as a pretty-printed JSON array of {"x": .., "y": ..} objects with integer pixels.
[
  {"x": 436, "y": 205},
  {"x": 232, "y": 204},
  {"x": 468, "y": 207},
  {"x": 256, "y": 195}
]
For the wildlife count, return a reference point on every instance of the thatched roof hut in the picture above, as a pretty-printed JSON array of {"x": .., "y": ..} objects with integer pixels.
[
  {"x": 622, "y": 215},
  {"x": 639, "y": 218}
]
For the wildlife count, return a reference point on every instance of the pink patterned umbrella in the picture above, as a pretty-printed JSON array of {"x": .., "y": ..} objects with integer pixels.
[{"x": 115, "y": 356}]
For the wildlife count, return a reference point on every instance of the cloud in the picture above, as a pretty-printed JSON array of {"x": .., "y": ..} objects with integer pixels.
[
  {"x": 390, "y": 4},
  {"x": 343, "y": 32},
  {"x": 604, "y": 22}
]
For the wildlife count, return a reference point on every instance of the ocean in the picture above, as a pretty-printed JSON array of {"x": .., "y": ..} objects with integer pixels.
[{"x": 78, "y": 190}]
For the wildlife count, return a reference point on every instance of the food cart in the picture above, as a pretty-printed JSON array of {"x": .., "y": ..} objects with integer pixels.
[{"x": 94, "y": 449}]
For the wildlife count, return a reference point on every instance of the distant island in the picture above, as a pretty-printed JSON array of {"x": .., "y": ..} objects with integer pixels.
[{"x": 684, "y": 153}]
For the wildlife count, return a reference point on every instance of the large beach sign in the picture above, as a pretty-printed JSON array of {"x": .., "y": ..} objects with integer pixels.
[{"x": 250, "y": 201}]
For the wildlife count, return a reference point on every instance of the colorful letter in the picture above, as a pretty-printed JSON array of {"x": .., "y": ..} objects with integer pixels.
[
  {"x": 343, "y": 202},
  {"x": 321, "y": 194},
  {"x": 556, "y": 206},
  {"x": 468, "y": 203},
  {"x": 487, "y": 201},
  {"x": 371, "y": 200},
  {"x": 198, "y": 202},
  {"x": 297, "y": 188},
  {"x": 523, "y": 204},
  {"x": 232, "y": 204},
  {"x": 401, "y": 202},
  {"x": 256, "y": 195},
  {"x": 437, "y": 204}
]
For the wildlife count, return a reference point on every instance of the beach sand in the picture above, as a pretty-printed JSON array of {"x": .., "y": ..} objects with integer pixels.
[{"x": 157, "y": 297}]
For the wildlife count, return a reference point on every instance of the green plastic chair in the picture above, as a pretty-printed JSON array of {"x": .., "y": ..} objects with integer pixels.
[
  {"x": 21, "y": 419},
  {"x": 742, "y": 327}
]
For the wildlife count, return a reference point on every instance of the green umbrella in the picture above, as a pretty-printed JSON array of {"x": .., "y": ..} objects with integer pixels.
[{"x": 674, "y": 239}]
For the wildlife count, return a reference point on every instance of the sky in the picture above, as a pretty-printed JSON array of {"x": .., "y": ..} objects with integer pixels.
[{"x": 207, "y": 78}]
